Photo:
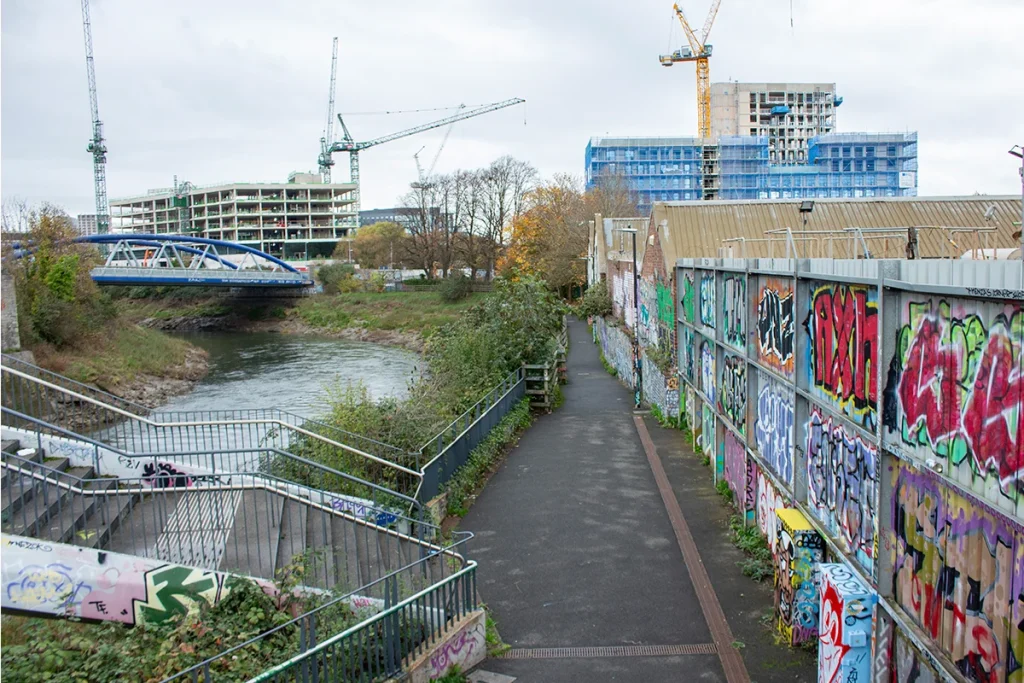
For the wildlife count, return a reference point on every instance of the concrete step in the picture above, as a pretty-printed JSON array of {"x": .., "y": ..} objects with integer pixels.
[
  {"x": 345, "y": 559},
  {"x": 32, "y": 512},
  {"x": 58, "y": 464},
  {"x": 253, "y": 542},
  {"x": 138, "y": 532},
  {"x": 111, "y": 511},
  {"x": 292, "y": 546},
  {"x": 321, "y": 570}
]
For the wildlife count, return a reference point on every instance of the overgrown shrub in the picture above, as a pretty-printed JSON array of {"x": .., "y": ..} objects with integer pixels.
[
  {"x": 596, "y": 302},
  {"x": 337, "y": 277},
  {"x": 455, "y": 288},
  {"x": 58, "y": 303},
  {"x": 465, "y": 359}
]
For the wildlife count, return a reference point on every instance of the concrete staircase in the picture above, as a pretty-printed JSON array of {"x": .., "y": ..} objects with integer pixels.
[{"x": 246, "y": 529}]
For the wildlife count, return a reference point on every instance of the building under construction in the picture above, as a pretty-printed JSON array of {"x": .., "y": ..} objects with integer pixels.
[{"x": 298, "y": 220}]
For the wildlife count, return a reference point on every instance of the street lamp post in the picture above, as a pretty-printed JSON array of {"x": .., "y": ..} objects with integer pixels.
[
  {"x": 637, "y": 365},
  {"x": 1018, "y": 152}
]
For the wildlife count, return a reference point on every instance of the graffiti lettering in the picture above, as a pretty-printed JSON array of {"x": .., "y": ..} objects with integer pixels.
[
  {"x": 842, "y": 482},
  {"x": 846, "y": 608},
  {"x": 796, "y": 595},
  {"x": 775, "y": 328},
  {"x": 955, "y": 389},
  {"x": 28, "y": 545},
  {"x": 689, "y": 295},
  {"x": 707, "y": 299},
  {"x": 750, "y": 492},
  {"x": 164, "y": 475},
  {"x": 458, "y": 651},
  {"x": 735, "y": 466},
  {"x": 732, "y": 397},
  {"x": 46, "y": 587},
  {"x": 768, "y": 501},
  {"x": 101, "y": 607},
  {"x": 957, "y": 572},
  {"x": 773, "y": 428},
  {"x": 1017, "y": 294},
  {"x": 843, "y": 333},
  {"x": 708, "y": 428},
  {"x": 687, "y": 353},
  {"x": 734, "y": 310},
  {"x": 707, "y": 369}
]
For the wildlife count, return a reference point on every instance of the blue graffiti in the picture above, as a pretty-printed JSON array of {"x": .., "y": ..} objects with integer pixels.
[{"x": 773, "y": 430}]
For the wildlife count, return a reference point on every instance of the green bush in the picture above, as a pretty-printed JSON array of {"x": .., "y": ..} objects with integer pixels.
[
  {"x": 596, "y": 302},
  {"x": 337, "y": 277},
  {"x": 455, "y": 288}
]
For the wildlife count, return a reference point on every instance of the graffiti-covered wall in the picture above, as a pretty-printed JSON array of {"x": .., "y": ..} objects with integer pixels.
[{"x": 881, "y": 402}]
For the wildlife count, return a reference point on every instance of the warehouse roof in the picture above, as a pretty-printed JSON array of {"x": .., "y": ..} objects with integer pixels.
[{"x": 705, "y": 228}]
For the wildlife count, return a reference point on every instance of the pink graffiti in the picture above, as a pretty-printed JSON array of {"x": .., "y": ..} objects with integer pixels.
[
  {"x": 456, "y": 651},
  {"x": 995, "y": 396},
  {"x": 932, "y": 400}
]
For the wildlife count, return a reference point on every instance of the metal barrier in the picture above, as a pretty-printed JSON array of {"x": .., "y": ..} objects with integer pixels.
[
  {"x": 451, "y": 448},
  {"x": 119, "y": 429},
  {"x": 387, "y": 643}
]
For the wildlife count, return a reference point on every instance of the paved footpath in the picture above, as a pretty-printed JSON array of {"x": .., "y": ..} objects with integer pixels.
[{"x": 585, "y": 555}]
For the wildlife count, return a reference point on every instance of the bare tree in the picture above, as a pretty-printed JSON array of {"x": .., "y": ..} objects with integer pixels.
[
  {"x": 506, "y": 185},
  {"x": 421, "y": 246},
  {"x": 15, "y": 215}
]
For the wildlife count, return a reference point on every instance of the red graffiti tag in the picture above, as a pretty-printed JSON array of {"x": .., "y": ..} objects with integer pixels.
[
  {"x": 830, "y": 638},
  {"x": 927, "y": 389},
  {"x": 844, "y": 334},
  {"x": 994, "y": 400}
]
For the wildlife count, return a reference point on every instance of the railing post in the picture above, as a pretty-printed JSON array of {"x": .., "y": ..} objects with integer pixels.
[{"x": 392, "y": 653}]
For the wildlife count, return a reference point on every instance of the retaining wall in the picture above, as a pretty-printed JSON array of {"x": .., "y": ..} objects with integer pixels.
[{"x": 883, "y": 401}]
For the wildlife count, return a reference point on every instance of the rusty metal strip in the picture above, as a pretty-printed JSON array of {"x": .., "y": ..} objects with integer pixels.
[
  {"x": 732, "y": 662},
  {"x": 612, "y": 651}
]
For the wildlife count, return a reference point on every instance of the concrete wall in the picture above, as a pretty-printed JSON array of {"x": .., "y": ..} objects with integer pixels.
[
  {"x": 883, "y": 400},
  {"x": 10, "y": 339}
]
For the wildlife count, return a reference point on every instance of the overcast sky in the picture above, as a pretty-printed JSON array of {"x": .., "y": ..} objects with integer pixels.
[{"x": 225, "y": 90}]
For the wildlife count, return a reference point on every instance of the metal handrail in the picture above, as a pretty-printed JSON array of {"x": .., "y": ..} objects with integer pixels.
[
  {"x": 466, "y": 571},
  {"x": 171, "y": 455},
  {"x": 8, "y": 361},
  {"x": 56, "y": 478},
  {"x": 217, "y": 423}
]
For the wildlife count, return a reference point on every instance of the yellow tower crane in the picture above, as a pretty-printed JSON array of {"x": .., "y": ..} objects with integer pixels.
[{"x": 699, "y": 51}]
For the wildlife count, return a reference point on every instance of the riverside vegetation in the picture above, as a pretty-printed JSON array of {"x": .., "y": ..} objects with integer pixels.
[
  {"x": 515, "y": 324},
  {"x": 75, "y": 328}
]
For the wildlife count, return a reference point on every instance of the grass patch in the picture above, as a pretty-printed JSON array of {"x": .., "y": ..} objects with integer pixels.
[
  {"x": 495, "y": 645},
  {"x": 117, "y": 356},
  {"x": 607, "y": 366},
  {"x": 724, "y": 491},
  {"x": 759, "y": 564},
  {"x": 405, "y": 311},
  {"x": 471, "y": 476}
]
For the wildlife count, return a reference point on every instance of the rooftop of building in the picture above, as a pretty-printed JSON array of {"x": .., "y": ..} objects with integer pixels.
[
  {"x": 162, "y": 192},
  {"x": 698, "y": 228},
  {"x": 797, "y": 87}
]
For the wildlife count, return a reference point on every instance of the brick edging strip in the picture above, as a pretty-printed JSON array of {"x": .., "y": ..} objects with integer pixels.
[{"x": 732, "y": 662}]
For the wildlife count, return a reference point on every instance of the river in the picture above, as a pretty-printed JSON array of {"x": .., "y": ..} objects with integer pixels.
[{"x": 291, "y": 372}]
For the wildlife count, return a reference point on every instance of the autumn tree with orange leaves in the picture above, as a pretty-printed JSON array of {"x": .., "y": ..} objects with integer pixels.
[{"x": 549, "y": 239}]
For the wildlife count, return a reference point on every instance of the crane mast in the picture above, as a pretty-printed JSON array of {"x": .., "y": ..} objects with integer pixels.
[
  {"x": 96, "y": 145},
  {"x": 326, "y": 161},
  {"x": 699, "y": 51}
]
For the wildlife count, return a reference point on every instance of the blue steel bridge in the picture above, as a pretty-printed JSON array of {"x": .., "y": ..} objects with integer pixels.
[{"x": 189, "y": 261}]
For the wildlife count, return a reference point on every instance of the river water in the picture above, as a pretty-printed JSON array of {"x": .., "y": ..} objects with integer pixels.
[{"x": 291, "y": 372}]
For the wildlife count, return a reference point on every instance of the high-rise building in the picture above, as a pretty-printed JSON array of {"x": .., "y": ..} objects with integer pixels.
[
  {"x": 788, "y": 114},
  {"x": 85, "y": 224},
  {"x": 301, "y": 219},
  {"x": 739, "y": 167}
]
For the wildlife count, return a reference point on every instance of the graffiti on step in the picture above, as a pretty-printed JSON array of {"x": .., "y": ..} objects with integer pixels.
[
  {"x": 165, "y": 475},
  {"x": 45, "y": 588},
  {"x": 798, "y": 549}
]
